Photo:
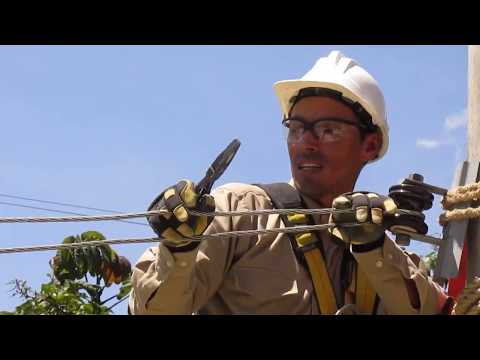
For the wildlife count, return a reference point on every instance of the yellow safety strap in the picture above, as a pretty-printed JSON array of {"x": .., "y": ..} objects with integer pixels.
[
  {"x": 318, "y": 269},
  {"x": 365, "y": 295},
  {"x": 321, "y": 282}
]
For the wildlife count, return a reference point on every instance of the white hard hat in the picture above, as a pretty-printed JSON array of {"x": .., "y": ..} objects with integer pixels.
[{"x": 342, "y": 74}]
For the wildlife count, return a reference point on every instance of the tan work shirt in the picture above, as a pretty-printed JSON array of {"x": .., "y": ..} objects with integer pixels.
[{"x": 261, "y": 275}]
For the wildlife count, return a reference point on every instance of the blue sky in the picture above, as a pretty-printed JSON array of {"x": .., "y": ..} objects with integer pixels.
[{"x": 112, "y": 126}]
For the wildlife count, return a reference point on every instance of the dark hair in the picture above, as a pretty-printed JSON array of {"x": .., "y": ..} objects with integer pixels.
[{"x": 364, "y": 117}]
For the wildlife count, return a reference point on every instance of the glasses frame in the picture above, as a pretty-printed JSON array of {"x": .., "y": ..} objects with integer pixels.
[{"x": 310, "y": 125}]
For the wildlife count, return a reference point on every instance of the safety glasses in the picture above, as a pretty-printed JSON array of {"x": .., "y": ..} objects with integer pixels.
[{"x": 327, "y": 130}]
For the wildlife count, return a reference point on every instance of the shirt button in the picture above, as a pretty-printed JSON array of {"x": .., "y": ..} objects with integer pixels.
[
  {"x": 379, "y": 263},
  {"x": 169, "y": 264},
  {"x": 182, "y": 263},
  {"x": 390, "y": 256}
]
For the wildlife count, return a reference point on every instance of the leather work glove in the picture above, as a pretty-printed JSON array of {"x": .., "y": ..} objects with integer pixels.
[
  {"x": 175, "y": 227},
  {"x": 368, "y": 210},
  {"x": 469, "y": 300}
]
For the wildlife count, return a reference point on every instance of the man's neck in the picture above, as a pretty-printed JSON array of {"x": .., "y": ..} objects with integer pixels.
[{"x": 325, "y": 200}]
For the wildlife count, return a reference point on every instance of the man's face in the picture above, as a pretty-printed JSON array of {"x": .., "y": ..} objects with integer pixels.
[{"x": 324, "y": 169}]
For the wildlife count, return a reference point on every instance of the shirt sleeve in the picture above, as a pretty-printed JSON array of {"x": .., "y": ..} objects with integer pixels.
[
  {"x": 388, "y": 268},
  {"x": 165, "y": 282}
]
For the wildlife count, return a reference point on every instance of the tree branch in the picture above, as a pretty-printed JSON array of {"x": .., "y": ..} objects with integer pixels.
[
  {"x": 118, "y": 302},
  {"x": 110, "y": 298}
]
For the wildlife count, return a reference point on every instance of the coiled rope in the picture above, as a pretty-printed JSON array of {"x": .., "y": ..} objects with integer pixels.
[{"x": 459, "y": 195}]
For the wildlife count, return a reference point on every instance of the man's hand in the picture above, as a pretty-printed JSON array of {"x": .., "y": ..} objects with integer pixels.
[
  {"x": 368, "y": 210},
  {"x": 175, "y": 227},
  {"x": 469, "y": 300}
]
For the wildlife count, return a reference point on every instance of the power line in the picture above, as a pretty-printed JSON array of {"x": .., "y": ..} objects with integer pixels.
[
  {"x": 63, "y": 212},
  {"x": 57, "y": 203},
  {"x": 211, "y": 237}
]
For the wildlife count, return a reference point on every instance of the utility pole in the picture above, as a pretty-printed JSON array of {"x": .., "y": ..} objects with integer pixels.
[
  {"x": 459, "y": 256},
  {"x": 473, "y": 135}
]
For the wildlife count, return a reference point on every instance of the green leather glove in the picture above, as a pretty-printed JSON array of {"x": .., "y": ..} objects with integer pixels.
[
  {"x": 177, "y": 226},
  {"x": 368, "y": 210},
  {"x": 469, "y": 300}
]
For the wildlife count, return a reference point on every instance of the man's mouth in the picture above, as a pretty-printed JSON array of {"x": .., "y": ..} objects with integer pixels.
[{"x": 309, "y": 166}]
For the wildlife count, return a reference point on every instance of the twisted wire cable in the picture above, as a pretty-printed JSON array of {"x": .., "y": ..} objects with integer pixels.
[
  {"x": 229, "y": 234},
  {"x": 47, "y": 219}
]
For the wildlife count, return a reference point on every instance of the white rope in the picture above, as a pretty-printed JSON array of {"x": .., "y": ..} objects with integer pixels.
[
  {"x": 229, "y": 234},
  {"x": 461, "y": 194},
  {"x": 458, "y": 215}
]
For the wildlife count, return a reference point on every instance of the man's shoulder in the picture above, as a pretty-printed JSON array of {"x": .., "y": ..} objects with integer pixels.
[{"x": 240, "y": 189}]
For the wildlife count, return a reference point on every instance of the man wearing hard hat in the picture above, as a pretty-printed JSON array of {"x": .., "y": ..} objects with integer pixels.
[{"x": 336, "y": 123}]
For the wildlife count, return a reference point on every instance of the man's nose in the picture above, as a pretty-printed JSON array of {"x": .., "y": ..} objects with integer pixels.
[{"x": 310, "y": 140}]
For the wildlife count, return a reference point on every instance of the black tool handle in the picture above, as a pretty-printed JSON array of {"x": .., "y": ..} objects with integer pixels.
[{"x": 217, "y": 168}]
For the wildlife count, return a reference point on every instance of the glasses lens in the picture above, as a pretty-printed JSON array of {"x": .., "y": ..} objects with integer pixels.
[
  {"x": 294, "y": 129},
  {"x": 326, "y": 130},
  {"x": 330, "y": 131}
]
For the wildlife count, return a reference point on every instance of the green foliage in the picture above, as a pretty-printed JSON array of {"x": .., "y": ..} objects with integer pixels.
[
  {"x": 69, "y": 291},
  {"x": 55, "y": 298},
  {"x": 124, "y": 289},
  {"x": 430, "y": 261}
]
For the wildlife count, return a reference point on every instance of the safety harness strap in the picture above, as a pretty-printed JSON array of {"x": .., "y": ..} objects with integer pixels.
[
  {"x": 306, "y": 248},
  {"x": 321, "y": 281},
  {"x": 284, "y": 196},
  {"x": 365, "y": 297}
]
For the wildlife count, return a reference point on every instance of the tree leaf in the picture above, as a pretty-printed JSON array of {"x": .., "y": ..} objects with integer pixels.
[
  {"x": 48, "y": 288},
  {"x": 69, "y": 240},
  {"x": 124, "y": 291},
  {"x": 92, "y": 236},
  {"x": 80, "y": 263}
]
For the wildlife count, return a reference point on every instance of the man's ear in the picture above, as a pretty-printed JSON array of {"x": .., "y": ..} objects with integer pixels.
[{"x": 372, "y": 145}]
